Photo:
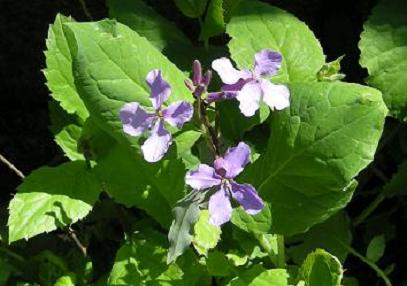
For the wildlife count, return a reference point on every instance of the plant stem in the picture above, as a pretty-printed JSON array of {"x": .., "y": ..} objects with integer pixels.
[
  {"x": 372, "y": 265},
  {"x": 266, "y": 247},
  {"x": 11, "y": 167},
  {"x": 369, "y": 210},
  {"x": 78, "y": 243},
  {"x": 280, "y": 251},
  {"x": 209, "y": 130},
  {"x": 85, "y": 10},
  {"x": 12, "y": 254}
]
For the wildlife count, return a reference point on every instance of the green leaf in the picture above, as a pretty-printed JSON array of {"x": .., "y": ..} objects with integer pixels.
[
  {"x": 50, "y": 198},
  {"x": 58, "y": 72},
  {"x": 65, "y": 281},
  {"x": 163, "y": 34},
  {"x": 316, "y": 148},
  {"x": 331, "y": 71},
  {"x": 383, "y": 47},
  {"x": 206, "y": 236},
  {"x": 275, "y": 277},
  {"x": 375, "y": 249},
  {"x": 258, "y": 26},
  {"x": 325, "y": 236},
  {"x": 229, "y": 8},
  {"x": 257, "y": 224},
  {"x": 142, "y": 261},
  {"x": 191, "y": 8},
  {"x": 111, "y": 62},
  {"x": 321, "y": 269},
  {"x": 186, "y": 214},
  {"x": 244, "y": 278},
  {"x": 217, "y": 264},
  {"x": 5, "y": 270},
  {"x": 214, "y": 23},
  {"x": 185, "y": 141}
]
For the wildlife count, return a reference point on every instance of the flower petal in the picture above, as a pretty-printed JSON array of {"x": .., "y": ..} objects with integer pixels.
[
  {"x": 155, "y": 147},
  {"x": 202, "y": 178},
  {"x": 248, "y": 198},
  {"x": 220, "y": 209},
  {"x": 249, "y": 98},
  {"x": 275, "y": 95},
  {"x": 135, "y": 119},
  {"x": 160, "y": 89},
  {"x": 234, "y": 161},
  {"x": 227, "y": 72},
  {"x": 267, "y": 62},
  {"x": 178, "y": 113}
]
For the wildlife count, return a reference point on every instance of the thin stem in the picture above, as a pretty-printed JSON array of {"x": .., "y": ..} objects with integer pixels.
[
  {"x": 12, "y": 254},
  {"x": 76, "y": 240},
  {"x": 209, "y": 130},
  {"x": 372, "y": 265},
  {"x": 11, "y": 167},
  {"x": 280, "y": 251},
  {"x": 369, "y": 210},
  {"x": 85, "y": 10}
]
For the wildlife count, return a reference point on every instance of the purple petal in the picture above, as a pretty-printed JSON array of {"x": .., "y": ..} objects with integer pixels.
[
  {"x": 249, "y": 98},
  {"x": 231, "y": 90},
  {"x": 248, "y": 198},
  {"x": 275, "y": 95},
  {"x": 135, "y": 119},
  {"x": 267, "y": 62},
  {"x": 202, "y": 178},
  {"x": 155, "y": 147},
  {"x": 227, "y": 72},
  {"x": 219, "y": 207},
  {"x": 160, "y": 89},
  {"x": 234, "y": 161},
  {"x": 178, "y": 113}
]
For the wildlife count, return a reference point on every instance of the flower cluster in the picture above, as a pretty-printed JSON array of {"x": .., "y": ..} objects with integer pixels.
[{"x": 249, "y": 87}]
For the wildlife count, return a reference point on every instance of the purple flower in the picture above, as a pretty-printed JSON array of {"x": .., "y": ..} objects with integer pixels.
[
  {"x": 221, "y": 177},
  {"x": 250, "y": 87},
  {"x": 136, "y": 120}
]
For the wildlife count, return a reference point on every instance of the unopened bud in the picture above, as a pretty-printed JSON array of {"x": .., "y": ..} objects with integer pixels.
[{"x": 197, "y": 72}]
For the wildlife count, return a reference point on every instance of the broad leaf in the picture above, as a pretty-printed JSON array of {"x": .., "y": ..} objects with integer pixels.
[
  {"x": 325, "y": 236},
  {"x": 258, "y": 224},
  {"x": 50, "y": 198},
  {"x": 185, "y": 141},
  {"x": 383, "y": 49},
  {"x": 375, "y": 249},
  {"x": 192, "y": 8},
  {"x": 214, "y": 23},
  {"x": 258, "y": 26},
  {"x": 163, "y": 34},
  {"x": 206, "y": 235},
  {"x": 321, "y": 269},
  {"x": 59, "y": 69},
  {"x": 141, "y": 261},
  {"x": 186, "y": 214},
  {"x": 275, "y": 277},
  {"x": 111, "y": 62},
  {"x": 244, "y": 278},
  {"x": 317, "y": 146},
  {"x": 217, "y": 264}
]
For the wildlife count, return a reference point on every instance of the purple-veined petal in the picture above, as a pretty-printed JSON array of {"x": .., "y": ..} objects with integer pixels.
[
  {"x": 202, "y": 178},
  {"x": 234, "y": 161},
  {"x": 275, "y": 95},
  {"x": 227, "y": 73},
  {"x": 135, "y": 119},
  {"x": 219, "y": 207},
  {"x": 249, "y": 98},
  {"x": 155, "y": 147},
  {"x": 231, "y": 90},
  {"x": 160, "y": 89},
  {"x": 178, "y": 113},
  {"x": 248, "y": 198},
  {"x": 267, "y": 62}
]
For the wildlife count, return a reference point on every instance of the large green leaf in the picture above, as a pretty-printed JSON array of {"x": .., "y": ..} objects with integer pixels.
[
  {"x": 258, "y": 26},
  {"x": 321, "y": 269},
  {"x": 214, "y": 23},
  {"x": 383, "y": 49},
  {"x": 192, "y": 8},
  {"x": 50, "y": 198},
  {"x": 59, "y": 69},
  {"x": 316, "y": 148},
  {"x": 142, "y": 261},
  {"x": 111, "y": 62},
  {"x": 163, "y": 34}
]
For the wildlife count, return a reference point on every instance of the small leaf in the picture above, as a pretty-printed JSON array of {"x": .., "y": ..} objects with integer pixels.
[
  {"x": 186, "y": 214},
  {"x": 50, "y": 198},
  {"x": 238, "y": 259},
  {"x": 206, "y": 235},
  {"x": 258, "y": 224},
  {"x": 214, "y": 23},
  {"x": 375, "y": 249},
  {"x": 275, "y": 277},
  {"x": 191, "y": 8},
  {"x": 331, "y": 71},
  {"x": 321, "y": 269}
]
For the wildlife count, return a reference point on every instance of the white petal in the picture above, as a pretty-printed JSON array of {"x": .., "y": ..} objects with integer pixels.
[
  {"x": 249, "y": 98},
  {"x": 155, "y": 147},
  {"x": 275, "y": 95},
  {"x": 227, "y": 72}
]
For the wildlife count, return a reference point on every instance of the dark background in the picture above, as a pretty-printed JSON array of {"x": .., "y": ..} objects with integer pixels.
[{"x": 24, "y": 136}]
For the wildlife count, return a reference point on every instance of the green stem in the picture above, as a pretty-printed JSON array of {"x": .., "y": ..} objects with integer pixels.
[
  {"x": 372, "y": 265},
  {"x": 266, "y": 247},
  {"x": 205, "y": 41},
  {"x": 369, "y": 210},
  {"x": 280, "y": 251},
  {"x": 12, "y": 254}
]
